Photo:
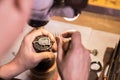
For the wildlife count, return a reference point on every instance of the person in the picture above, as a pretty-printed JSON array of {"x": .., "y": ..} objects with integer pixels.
[{"x": 73, "y": 59}]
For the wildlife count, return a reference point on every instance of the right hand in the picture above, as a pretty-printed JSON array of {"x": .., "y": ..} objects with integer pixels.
[{"x": 73, "y": 59}]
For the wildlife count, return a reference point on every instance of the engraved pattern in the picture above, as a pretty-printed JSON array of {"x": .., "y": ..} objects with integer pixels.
[{"x": 42, "y": 43}]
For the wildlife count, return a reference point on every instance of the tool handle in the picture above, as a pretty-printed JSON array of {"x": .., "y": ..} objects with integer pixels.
[{"x": 42, "y": 44}]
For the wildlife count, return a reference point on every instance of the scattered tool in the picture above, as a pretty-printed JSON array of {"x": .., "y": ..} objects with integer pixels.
[
  {"x": 106, "y": 61},
  {"x": 94, "y": 52},
  {"x": 93, "y": 71}
]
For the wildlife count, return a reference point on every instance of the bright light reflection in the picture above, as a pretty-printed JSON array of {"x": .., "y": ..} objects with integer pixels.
[{"x": 71, "y": 19}]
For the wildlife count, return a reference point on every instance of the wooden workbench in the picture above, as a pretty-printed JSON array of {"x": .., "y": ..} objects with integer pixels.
[{"x": 96, "y": 21}]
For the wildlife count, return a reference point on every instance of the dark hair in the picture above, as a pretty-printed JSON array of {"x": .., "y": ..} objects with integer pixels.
[
  {"x": 57, "y": 3},
  {"x": 77, "y": 5}
]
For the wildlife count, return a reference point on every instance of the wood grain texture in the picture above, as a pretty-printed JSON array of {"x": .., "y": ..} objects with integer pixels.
[{"x": 96, "y": 21}]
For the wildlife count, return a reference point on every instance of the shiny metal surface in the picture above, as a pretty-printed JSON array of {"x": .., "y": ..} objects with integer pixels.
[{"x": 42, "y": 43}]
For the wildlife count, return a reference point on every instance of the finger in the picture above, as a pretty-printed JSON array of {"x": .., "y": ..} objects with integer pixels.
[
  {"x": 76, "y": 40},
  {"x": 30, "y": 37},
  {"x": 52, "y": 38},
  {"x": 66, "y": 46},
  {"x": 54, "y": 47},
  {"x": 41, "y": 31},
  {"x": 33, "y": 34},
  {"x": 47, "y": 33},
  {"x": 37, "y": 32},
  {"x": 68, "y": 33},
  {"x": 59, "y": 48},
  {"x": 44, "y": 55}
]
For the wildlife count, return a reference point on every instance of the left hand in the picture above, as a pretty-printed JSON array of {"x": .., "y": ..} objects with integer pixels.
[
  {"x": 27, "y": 55},
  {"x": 27, "y": 58}
]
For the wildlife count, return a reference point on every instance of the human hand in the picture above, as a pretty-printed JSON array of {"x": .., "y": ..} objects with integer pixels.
[
  {"x": 13, "y": 16},
  {"x": 27, "y": 58},
  {"x": 27, "y": 55},
  {"x": 73, "y": 59}
]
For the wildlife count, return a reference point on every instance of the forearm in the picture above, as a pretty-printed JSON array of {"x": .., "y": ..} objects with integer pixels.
[
  {"x": 10, "y": 70},
  {"x": 73, "y": 78}
]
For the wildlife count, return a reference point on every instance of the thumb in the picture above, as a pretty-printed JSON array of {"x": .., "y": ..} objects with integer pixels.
[
  {"x": 76, "y": 40},
  {"x": 44, "y": 55},
  {"x": 59, "y": 48}
]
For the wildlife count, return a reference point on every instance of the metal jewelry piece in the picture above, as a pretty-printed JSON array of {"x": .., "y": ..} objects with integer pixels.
[
  {"x": 96, "y": 64},
  {"x": 42, "y": 43},
  {"x": 94, "y": 52}
]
